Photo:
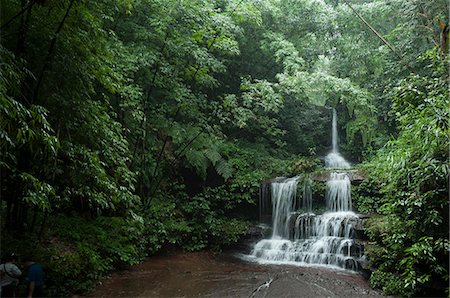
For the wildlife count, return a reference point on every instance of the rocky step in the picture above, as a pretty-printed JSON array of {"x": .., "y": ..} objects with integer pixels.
[{"x": 354, "y": 175}]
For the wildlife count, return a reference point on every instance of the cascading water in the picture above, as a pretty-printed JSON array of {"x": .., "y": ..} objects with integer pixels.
[
  {"x": 334, "y": 134},
  {"x": 283, "y": 203},
  {"x": 307, "y": 238},
  {"x": 334, "y": 159},
  {"x": 338, "y": 193},
  {"x": 307, "y": 194}
]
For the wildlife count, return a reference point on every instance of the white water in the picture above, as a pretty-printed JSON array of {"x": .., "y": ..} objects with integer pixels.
[
  {"x": 334, "y": 159},
  {"x": 334, "y": 132},
  {"x": 338, "y": 194},
  {"x": 308, "y": 239},
  {"x": 283, "y": 203},
  {"x": 307, "y": 194},
  {"x": 322, "y": 240}
]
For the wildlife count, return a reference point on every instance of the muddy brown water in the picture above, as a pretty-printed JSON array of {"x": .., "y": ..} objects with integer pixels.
[{"x": 204, "y": 274}]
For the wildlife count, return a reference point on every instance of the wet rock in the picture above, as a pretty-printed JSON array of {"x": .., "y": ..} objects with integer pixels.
[
  {"x": 221, "y": 275},
  {"x": 354, "y": 175},
  {"x": 253, "y": 235}
]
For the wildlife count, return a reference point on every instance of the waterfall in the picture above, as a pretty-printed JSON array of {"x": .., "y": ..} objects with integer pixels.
[
  {"x": 334, "y": 132},
  {"x": 338, "y": 193},
  {"x": 319, "y": 240},
  {"x": 283, "y": 203},
  {"x": 307, "y": 194},
  {"x": 306, "y": 238},
  {"x": 334, "y": 159}
]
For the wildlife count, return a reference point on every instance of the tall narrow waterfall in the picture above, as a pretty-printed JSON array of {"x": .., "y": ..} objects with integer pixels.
[
  {"x": 334, "y": 132},
  {"x": 334, "y": 159},
  {"x": 306, "y": 238}
]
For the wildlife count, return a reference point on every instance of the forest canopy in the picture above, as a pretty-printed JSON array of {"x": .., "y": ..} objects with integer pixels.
[{"x": 131, "y": 126}]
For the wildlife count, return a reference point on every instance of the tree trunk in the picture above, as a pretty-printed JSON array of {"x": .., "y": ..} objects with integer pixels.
[{"x": 48, "y": 58}]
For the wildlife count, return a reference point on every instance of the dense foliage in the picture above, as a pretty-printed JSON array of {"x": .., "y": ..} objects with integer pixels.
[
  {"x": 410, "y": 246},
  {"x": 131, "y": 126}
]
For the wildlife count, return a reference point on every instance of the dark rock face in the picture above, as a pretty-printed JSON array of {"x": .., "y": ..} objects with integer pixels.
[
  {"x": 359, "y": 228},
  {"x": 253, "y": 235}
]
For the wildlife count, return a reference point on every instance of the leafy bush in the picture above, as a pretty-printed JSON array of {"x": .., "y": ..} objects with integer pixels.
[
  {"x": 118, "y": 238},
  {"x": 191, "y": 223},
  {"x": 79, "y": 251},
  {"x": 391, "y": 284},
  {"x": 365, "y": 196},
  {"x": 84, "y": 250},
  {"x": 164, "y": 225}
]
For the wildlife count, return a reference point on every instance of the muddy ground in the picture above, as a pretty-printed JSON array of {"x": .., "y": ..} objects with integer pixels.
[{"x": 204, "y": 274}]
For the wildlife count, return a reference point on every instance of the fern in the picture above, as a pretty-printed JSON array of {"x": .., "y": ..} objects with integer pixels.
[
  {"x": 224, "y": 169},
  {"x": 197, "y": 160},
  {"x": 212, "y": 154}
]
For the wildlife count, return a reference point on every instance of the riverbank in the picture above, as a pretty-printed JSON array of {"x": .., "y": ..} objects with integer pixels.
[{"x": 204, "y": 274}]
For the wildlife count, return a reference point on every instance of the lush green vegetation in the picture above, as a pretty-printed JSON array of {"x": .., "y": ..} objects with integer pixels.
[
  {"x": 408, "y": 188},
  {"x": 131, "y": 126}
]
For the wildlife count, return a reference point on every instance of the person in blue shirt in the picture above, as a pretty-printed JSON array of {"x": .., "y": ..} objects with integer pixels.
[{"x": 34, "y": 279}]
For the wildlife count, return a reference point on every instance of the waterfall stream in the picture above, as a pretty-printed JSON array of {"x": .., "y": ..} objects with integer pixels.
[
  {"x": 283, "y": 203},
  {"x": 306, "y": 238}
]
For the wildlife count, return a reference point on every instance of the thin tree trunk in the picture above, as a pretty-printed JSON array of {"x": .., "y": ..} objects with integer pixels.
[
  {"x": 152, "y": 84},
  {"x": 8, "y": 214},
  {"x": 374, "y": 31},
  {"x": 22, "y": 216},
  {"x": 20, "y": 13},
  {"x": 152, "y": 192},
  {"x": 149, "y": 92},
  {"x": 192, "y": 140},
  {"x": 159, "y": 159},
  {"x": 24, "y": 21},
  {"x": 15, "y": 214},
  {"x": 48, "y": 57},
  {"x": 20, "y": 51},
  {"x": 33, "y": 221}
]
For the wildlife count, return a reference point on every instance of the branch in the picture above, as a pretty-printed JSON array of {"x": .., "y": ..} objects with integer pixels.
[
  {"x": 428, "y": 24},
  {"x": 152, "y": 192},
  {"x": 375, "y": 31}
]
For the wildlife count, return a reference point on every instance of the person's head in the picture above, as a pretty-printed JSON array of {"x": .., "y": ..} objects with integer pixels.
[
  {"x": 11, "y": 257},
  {"x": 28, "y": 260}
]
